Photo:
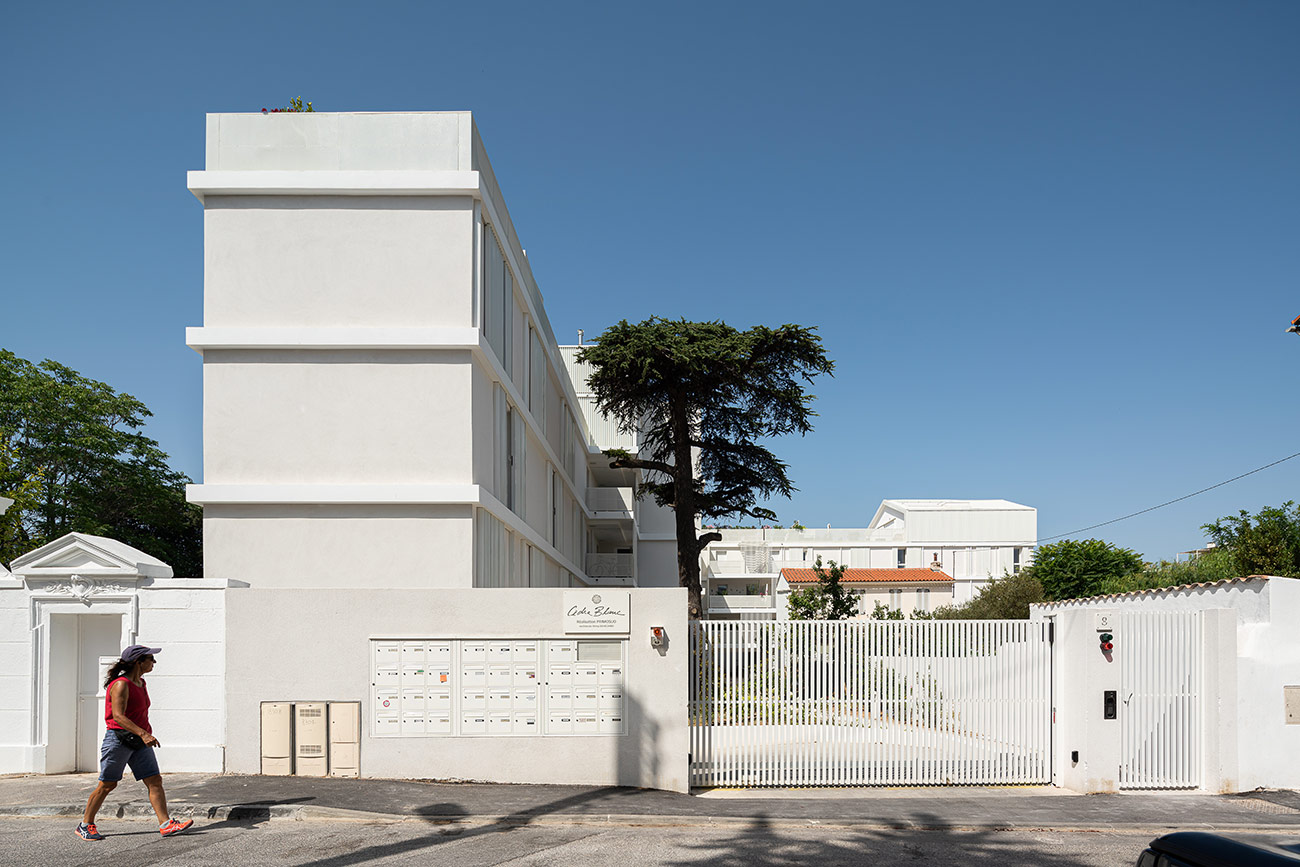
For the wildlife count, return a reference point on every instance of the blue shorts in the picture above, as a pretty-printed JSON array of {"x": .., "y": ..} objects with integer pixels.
[{"x": 114, "y": 756}]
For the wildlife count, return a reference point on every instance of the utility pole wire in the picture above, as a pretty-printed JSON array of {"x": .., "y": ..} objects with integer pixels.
[{"x": 1171, "y": 502}]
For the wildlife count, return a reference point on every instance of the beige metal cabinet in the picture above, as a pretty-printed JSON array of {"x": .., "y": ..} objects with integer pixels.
[
  {"x": 311, "y": 753},
  {"x": 277, "y": 738},
  {"x": 345, "y": 739}
]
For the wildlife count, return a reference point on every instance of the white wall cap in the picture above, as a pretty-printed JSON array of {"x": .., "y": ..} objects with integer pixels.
[
  {"x": 84, "y": 554},
  {"x": 191, "y": 584},
  {"x": 957, "y": 505},
  {"x": 5, "y": 503},
  {"x": 370, "y": 182},
  {"x": 200, "y": 339},
  {"x": 335, "y": 494}
]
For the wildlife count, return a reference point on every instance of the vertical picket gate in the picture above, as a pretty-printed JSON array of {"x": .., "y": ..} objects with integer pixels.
[
  {"x": 1160, "y": 654},
  {"x": 886, "y": 703}
]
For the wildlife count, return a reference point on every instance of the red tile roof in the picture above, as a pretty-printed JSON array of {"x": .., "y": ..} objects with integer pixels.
[{"x": 860, "y": 576}]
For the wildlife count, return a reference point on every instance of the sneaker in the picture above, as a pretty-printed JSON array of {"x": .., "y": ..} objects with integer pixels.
[
  {"x": 89, "y": 832},
  {"x": 173, "y": 827}
]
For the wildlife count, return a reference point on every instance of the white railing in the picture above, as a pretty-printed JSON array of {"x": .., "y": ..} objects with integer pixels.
[
  {"x": 733, "y": 603},
  {"x": 781, "y": 703},
  {"x": 610, "y": 500},
  {"x": 604, "y": 431},
  {"x": 611, "y": 565},
  {"x": 1160, "y": 699}
]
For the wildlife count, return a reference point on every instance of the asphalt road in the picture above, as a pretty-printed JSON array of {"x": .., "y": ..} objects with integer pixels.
[{"x": 134, "y": 843}]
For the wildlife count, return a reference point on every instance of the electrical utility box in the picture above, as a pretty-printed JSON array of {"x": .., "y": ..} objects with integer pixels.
[
  {"x": 277, "y": 738},
  {"x": 311, "y": 758},
  {"x": 345, "y": 738}
]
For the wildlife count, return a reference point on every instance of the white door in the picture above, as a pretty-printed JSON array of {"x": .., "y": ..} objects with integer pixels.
[{"x": 98, "y": 646}]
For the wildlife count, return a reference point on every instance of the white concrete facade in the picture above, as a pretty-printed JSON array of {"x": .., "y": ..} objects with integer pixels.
[
  {"x": 972, "y": 541},
  {"x": 1252, "y": 664},
  {"x": 394, "y": 449},
  {"x": 78, "y": 600},
  {"x": 379, "y": 372}
]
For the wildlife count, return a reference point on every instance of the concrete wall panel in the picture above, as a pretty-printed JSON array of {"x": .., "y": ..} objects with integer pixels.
[
  {"x": 336, "y": 625},
  {"x": 340, "y": 546}
]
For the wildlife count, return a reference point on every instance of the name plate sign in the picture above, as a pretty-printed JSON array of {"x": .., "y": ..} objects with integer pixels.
[{"x": 597, "y": 612}]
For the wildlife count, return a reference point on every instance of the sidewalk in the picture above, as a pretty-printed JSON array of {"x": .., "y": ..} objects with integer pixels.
[{"x": 249, "y": 798}]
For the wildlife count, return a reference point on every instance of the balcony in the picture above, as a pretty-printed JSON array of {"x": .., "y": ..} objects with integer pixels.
[
  {"x": 740, "y": 604},
  {"x": 610, "y": 503},
  {"x": 618, "y": 570}
]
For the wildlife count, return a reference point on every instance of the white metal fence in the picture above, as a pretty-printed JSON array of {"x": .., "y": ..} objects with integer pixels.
[
  {"x": 1161, "y": 663},
  {"x": 779, "y": 703}
]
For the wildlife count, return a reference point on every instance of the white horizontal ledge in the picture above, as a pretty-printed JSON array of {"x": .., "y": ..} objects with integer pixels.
[
  {"x": 347, "y": 337},
  {"x": 211, "y": 495},
  {"x": 333, "y": 183}
]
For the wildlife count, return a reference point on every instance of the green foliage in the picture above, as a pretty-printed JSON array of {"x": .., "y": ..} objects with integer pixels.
[
  {"x": 73, "y": 458},
  {"x": 884, "y": 612},
  {"x": 828, "y": 599},
  {"x": 1006, "y": 598},
  {"x": 711, "y": 389},
  {"x": 25, "y": 491},
  {"x": 295, "y": 105},
  {"x": 1071, "y": 569},
  {"x": 1264, "y": 544},
  {"x": 1214, "y": 566}
]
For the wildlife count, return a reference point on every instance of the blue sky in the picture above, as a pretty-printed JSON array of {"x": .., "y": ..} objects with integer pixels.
[{"x": 1052, "y": 247}]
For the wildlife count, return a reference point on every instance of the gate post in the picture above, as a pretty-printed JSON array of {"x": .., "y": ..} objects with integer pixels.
[
  {"x": 1085, "y": 674},
  {"x": 1219, "y": 700}
]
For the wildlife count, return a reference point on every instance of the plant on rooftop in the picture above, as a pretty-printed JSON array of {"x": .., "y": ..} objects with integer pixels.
[
  {"x": 295, "y": 104},
  {"x": 706, "y": 389}
]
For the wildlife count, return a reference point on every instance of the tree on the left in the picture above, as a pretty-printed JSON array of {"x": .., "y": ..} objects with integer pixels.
[{"x": 73, "y": 458}]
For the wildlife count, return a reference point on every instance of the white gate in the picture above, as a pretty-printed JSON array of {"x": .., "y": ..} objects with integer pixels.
[
  {"x": 1160, "y": 694},
  {"x": 776, "y": 703}
]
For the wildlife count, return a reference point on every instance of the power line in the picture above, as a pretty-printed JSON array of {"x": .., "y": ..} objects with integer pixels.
[{"x": 1171, "y": 502}]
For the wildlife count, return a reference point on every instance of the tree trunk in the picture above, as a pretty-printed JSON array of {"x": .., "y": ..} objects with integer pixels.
[{"x": 688, "y": 551}]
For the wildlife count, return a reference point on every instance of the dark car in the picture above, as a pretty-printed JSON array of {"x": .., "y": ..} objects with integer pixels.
[{"x": 1201, "y": 849}]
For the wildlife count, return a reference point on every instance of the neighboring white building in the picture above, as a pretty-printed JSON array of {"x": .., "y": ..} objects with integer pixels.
[{"x": 972, "y": 541}]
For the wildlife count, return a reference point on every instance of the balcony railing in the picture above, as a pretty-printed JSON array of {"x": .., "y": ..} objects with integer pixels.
[
  {"x": 611, "y": 565},
  {"x": 610, "y": 502},
  {"x": 739, "y": 603}
]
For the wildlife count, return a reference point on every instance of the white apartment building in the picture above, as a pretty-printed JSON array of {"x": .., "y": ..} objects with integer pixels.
[
  {"x": 379, "y": 372},
  {"x": 969, "y": 541}
]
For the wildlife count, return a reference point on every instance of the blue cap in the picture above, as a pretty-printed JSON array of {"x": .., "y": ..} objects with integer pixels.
[{"x": 135, "y": 651}]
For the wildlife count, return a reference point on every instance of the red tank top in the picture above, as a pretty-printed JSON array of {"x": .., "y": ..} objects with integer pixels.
[{"x": 137, "y": 706}]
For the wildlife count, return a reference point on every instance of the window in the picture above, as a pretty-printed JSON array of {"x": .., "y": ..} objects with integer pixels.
[
  {"x": 902, "y": 558},
  {"x": 1015, "y": 561},
  {"x": 896, "y": 599},
  {"x": 510, "y": 459},
  {"x": 555, "y": 507},
  {"x": 529, "y": 360},
  {"x": 923, "y": 599}
]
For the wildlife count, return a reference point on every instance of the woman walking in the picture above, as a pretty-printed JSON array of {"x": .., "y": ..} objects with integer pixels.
[{"x": 129, "y": 741}]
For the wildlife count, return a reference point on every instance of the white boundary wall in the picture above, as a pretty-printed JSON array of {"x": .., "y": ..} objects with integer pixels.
[
  {"x": 82, "y": 597},
  {"x": 1252, "y": 652},
  {"x": 314, "y": 645}
]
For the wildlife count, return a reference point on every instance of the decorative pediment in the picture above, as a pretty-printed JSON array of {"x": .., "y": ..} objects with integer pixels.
[{"x": 94, "y": 559}]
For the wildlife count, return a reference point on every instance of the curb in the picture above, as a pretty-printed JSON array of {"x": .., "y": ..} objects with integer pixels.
[{"x": 281, "y": 812}]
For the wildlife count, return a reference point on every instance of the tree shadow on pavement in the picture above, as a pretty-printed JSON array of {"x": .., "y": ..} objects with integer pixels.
[
  {"x": 758, "y": 844},
  {"x": 445, "y": 815}
]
